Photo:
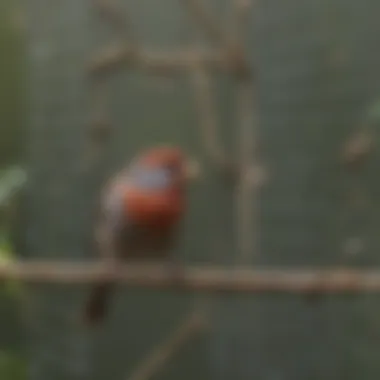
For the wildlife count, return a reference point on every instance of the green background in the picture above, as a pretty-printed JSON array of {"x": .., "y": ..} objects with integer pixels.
[{"x": 317, "y": 76}]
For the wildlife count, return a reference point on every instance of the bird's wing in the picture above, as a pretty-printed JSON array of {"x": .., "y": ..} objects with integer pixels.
[{"x": 113, "y": 218}]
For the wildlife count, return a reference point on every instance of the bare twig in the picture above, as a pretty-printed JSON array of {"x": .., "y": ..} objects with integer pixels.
[
  {"x": 99, "y": 125},
  {"x": 203, "y": 94},
  {"x": 241, "y": 9},
  {"x": 246, "y": 110},
  {"x": 246, "y": 197},
  {"x": 118, "y": 19},
  {"x": 125, "y": 49},
  {"x": 206, "y": 20},
  {"x": 233, "y": 51},
  {"x": 163, "y": 352},
  {"x": 208, "y": 120},
  {"x": 205, "y": 278},
  {"x": 154, "y": 61}
]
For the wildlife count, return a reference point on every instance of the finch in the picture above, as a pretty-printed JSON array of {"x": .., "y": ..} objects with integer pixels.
[{"x": 140, "y": 213}]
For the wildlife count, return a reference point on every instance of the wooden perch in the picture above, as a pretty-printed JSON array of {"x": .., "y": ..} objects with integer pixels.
[
  {"x": 118, "y": 56},
  {"x": 163, "y": 352},
  {"x": 205, "y": 278}
]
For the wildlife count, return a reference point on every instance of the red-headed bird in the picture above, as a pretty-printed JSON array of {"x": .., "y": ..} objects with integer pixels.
[{"x": 140, "y": 215}]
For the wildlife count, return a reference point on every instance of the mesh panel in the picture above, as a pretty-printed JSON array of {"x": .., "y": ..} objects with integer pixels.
[{"x": 317, "y": 73}]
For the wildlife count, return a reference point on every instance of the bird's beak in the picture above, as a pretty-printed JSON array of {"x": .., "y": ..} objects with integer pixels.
[{"x": 192, "y": 169}]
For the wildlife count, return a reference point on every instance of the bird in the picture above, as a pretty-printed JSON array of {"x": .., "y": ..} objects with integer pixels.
[{"x": 140, "y": 212}]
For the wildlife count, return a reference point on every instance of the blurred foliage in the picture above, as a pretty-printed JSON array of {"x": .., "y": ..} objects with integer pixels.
[
  {"x": 12, "y": 366},
  {"x": 11, "y": 79},
  {"x": 11, "y": 180},
  {"x": 12, "y": 361},
  {"x": 10, "y": 288}
]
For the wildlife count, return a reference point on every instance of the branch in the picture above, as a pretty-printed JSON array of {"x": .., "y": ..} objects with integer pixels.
[
  {"x": 208, "y": 122},
  {"x": 240, "y": 17},
  {"x": 245, "y": 195},
  {"x": 203, "y": 279},
  {"x": 153, "y": 363},
  {"x": 116, "y": 17},
  {"x": 232, "y": 49},
  {"x": 154, "y": 61},
  {"x": 207, "y": 21}
]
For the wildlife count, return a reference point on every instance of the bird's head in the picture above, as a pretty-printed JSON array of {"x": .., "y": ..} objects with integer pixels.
[{"x": 162, "y": 167}]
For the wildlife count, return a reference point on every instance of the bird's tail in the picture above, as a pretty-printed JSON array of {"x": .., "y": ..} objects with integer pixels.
[{"x": 97, "y": 304}]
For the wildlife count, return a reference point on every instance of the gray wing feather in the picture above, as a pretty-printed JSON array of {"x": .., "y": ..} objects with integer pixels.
[{"x": 113, "y": 219}]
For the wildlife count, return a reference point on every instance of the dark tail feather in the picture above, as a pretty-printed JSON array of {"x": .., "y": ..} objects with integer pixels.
[{"x": 97, "y": 304}]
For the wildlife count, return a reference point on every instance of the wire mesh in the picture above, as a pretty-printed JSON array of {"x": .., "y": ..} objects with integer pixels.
[{"x": 315, "y": 66}]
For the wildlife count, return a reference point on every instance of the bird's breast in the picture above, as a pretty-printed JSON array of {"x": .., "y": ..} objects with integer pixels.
[{"x": 157, "y": 209}]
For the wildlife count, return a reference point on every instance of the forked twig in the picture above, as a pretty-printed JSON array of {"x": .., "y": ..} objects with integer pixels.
[
  {"x": 211, "y": 26},
  {"x": 126, "y": 47},
  {"x": 233, "y": 50},
  {"x": 117, "y": 18}
]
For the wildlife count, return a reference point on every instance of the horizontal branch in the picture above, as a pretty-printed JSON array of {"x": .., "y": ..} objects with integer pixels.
[
  {"x": 116, "y": 57},
  {"x": 203, "y": 278}
]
